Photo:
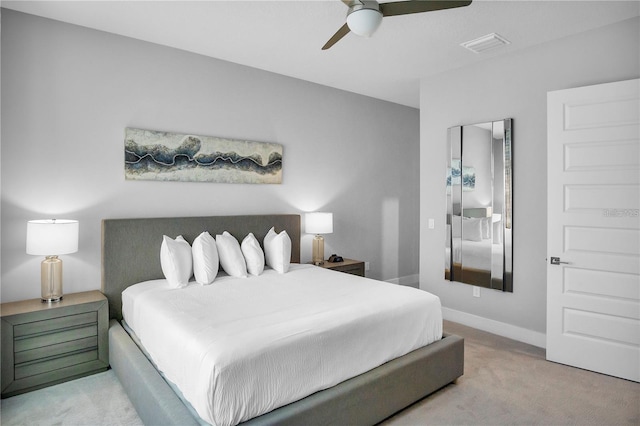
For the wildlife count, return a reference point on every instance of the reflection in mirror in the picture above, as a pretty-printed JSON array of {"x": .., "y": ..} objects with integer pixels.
[{"x": 479, "y": 205}]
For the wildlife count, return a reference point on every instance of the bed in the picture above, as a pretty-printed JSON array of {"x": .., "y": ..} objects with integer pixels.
[{"x": 130, "y": 255}]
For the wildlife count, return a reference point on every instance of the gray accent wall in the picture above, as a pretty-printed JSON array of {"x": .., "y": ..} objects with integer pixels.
[
  {"x": 512, "y": 86},
  {"x": 69, "y": 92}
]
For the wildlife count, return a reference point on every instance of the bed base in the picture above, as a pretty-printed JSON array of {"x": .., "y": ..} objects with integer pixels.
[{"x": 363, "y": 400}]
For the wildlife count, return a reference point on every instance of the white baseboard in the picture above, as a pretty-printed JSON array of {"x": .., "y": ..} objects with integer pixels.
[
  {"x": 410, "y": 280},
  {"x": 496, "y": 327}
]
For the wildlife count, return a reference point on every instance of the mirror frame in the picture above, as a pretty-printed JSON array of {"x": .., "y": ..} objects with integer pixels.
[{"x": 500, "y": 275}]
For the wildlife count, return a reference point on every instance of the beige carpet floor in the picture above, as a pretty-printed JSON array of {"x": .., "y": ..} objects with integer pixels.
[
  {"x": 505, "y": 383},
  {"x": 93, "y": 400},
  {"x": 510, "y": 383}
]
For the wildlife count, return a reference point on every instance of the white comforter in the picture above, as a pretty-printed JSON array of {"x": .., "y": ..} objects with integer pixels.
[
  {"x": 241, "y": 347},
  {"x": 477, "y": 255}
]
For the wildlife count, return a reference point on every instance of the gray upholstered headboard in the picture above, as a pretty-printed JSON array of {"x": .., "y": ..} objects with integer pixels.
[
  {"x": 131, "y": 247},
  {"x": 475, "y": 212}
]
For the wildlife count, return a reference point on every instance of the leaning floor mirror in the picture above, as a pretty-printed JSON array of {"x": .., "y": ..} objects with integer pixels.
[{"x": 479, "y": 205}]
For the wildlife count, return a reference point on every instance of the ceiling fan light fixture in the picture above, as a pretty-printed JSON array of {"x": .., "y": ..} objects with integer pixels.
[{"x": 364, "y": 22}]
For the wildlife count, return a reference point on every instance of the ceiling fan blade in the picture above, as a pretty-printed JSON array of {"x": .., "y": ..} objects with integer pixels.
[
  {"x": 419, "y": 6},
  {"x": 343, "y": 31}
]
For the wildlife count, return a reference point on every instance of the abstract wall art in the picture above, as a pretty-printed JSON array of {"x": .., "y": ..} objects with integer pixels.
[
  {"x": 457, "y": 174},
  {"x": 154, "y": 155}
]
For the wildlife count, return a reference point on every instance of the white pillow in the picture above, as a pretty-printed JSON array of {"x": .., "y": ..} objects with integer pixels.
[
  {"x": 205, "y": 258},
  {"x": 472, "y": 229},
  {"x": 457, "y": 226},
  {"x": 175, "y": 260},
  {"x": 253, "y": 254},
  {"x": 486, "y": 227},
  {"x": 497, "y": 232},
  {"x": 277, "y": 249},
  {"x": 231, "y": 258}
]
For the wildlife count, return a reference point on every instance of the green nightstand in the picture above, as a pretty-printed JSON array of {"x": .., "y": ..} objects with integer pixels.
[{"x": 44, "y": 344}]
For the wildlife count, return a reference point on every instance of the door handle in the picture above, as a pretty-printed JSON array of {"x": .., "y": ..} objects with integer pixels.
[{"x": 556, "y": 261}]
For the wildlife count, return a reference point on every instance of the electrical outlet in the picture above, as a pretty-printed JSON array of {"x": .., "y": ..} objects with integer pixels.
[
  {"x": 476, "y": 291},
  {"x": 366, "y": 266}
]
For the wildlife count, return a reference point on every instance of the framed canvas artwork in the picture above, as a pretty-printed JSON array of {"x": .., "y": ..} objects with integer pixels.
[{"x": 155, "y": 155}]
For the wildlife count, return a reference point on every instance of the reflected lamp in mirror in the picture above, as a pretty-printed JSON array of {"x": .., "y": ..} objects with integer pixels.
[
  {"x": 318, "y": 223},
  {"x": 51, "y": 238}
]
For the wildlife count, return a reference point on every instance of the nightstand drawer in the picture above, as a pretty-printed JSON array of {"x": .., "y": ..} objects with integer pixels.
[
  {"x": 52, "y": 364},
  {"x": 54, "y": 377},
  {"x": 352, "y": 269},
  {"x": 56, "y": 350},
  {"x": 349, "y": 266},
  {"x": 41, "y": 340},
  {"x": 39, "y": 327}
]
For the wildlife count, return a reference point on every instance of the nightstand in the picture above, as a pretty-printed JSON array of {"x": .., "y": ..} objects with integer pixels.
[
  {"x": 349, "y": 266},
  {"x": 44, "y": 344}
]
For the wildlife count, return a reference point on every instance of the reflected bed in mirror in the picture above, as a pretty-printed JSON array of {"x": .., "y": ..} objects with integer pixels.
[{"x": 479, "y": 205}]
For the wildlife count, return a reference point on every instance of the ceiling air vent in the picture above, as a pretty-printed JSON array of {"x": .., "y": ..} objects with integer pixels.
[{"x": 484, "y": 43}]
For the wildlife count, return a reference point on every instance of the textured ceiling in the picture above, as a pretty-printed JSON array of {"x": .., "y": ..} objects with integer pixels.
[{"x": 286, "y": 37}]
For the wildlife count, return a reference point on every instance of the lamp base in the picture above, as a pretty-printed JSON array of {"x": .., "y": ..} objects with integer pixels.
[
  {"x": 51, "y": 279},
  {"x": 317, "y": 256}
]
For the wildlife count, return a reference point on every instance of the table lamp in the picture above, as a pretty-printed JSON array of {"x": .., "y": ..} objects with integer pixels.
[
  {"x": 318, "y": 223},
  {"x": 51, "y": 238}
]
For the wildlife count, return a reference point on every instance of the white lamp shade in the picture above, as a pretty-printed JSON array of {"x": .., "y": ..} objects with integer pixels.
[
  {"x": 52, "y": 237},
  {"x": 319, "y": 223},
  {"x": 364, "y": 22}
]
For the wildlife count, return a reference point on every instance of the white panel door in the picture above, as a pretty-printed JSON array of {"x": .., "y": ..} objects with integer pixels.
[{"x": 593, "y": 183}]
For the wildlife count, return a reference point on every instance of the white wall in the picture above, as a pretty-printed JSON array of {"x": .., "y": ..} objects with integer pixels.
[
  {"x": 69, "y": 92},
  {"x": 515, "y": 86}
]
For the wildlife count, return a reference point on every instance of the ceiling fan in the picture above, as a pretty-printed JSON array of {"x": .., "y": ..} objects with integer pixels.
[{"x": 364, "y": 16}]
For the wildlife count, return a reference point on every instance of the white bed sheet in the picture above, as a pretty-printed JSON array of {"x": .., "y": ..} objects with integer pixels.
[
  {"x": 242, "y": 347},
  {"x": 477, "y": 255}
]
